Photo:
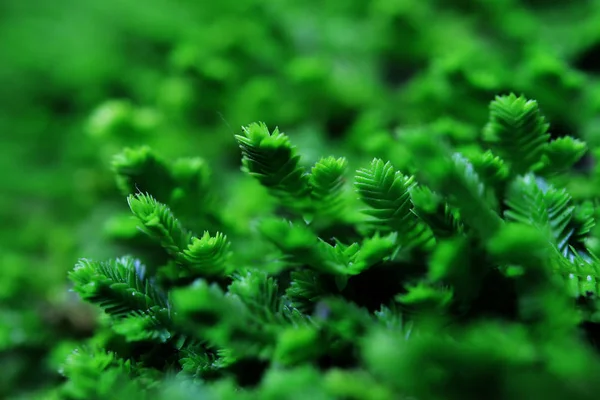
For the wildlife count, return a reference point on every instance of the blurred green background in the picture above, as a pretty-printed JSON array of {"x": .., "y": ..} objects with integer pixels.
[{"x": 81, "y": 80}]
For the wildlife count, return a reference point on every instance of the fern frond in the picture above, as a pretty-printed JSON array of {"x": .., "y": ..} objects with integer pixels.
[
  {"x": 271, "y": 158},
  {"x": 208, "y": 255},
  {"x": 387, "y": 192},
  {"x": 561, "y": 154},
  {"x": 327, "y": 181},
  {"x": 119, "y": 287},
  {"x": 159, "y": 223},
  {"x": 195, "y": 257},
  {"x": 517, "y": 131},
  {"x": 547, "y": 209},
  {"x": 492, "y": 170}
]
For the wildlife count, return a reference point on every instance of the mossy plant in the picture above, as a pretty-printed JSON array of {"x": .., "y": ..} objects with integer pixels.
[
  {"x": 457, "y": 278},
  {"x": 341, "y": 78}
]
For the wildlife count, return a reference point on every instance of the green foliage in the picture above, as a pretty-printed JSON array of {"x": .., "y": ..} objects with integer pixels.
[
  {"x": 468, "y": 276},
  {"x": 165, "y": 87}
]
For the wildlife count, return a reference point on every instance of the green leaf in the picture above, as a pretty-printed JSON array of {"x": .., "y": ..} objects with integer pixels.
[
  {"x": 386, "y": 192},
  {"x": 533, "y": 202},
  {"x": 159, "y": 222},
  {"x": 561, "y": 154},
  {"x": 517, "y": 131},
  {"x": 119, "y": 287},
  {"x": 273, "y": 161},
  {"x": 327, "y": 182},
  {"x": 208, "y": 255}
]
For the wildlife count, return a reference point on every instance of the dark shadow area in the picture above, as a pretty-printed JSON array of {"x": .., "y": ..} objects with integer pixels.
[
  {"x": 589, "y": 60},
  {"x": 339, "y": 121}
]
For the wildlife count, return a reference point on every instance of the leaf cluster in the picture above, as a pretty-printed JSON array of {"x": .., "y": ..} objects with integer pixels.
[{"x": 454, "y": 276}]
